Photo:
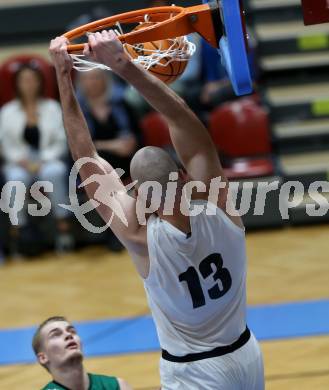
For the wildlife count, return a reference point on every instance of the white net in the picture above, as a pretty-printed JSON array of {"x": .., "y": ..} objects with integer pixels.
[{"x": 176, "y": 49}]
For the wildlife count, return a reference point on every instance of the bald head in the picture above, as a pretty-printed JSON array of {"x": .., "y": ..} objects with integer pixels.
[{"x": 152, "y": 164}]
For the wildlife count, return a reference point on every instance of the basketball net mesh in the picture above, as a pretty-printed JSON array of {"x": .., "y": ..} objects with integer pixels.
[{"x": 180, "y": 49}]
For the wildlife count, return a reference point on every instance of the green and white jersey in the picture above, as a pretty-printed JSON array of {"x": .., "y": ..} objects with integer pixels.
[{"x": 97, "y": 382}]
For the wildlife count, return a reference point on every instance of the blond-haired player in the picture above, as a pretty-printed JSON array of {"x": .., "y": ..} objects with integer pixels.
[{"x": 58, "y": 348}]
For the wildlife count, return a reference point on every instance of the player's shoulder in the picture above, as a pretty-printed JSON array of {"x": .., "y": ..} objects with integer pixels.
[
  {"x": 210, "y": 209},
  {"x": 101, "y": 381}
]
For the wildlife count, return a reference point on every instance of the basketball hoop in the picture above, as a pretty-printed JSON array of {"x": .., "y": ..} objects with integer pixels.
[
  {"x": 220, "y": 23},
  {"x": 179, "y": 49}
]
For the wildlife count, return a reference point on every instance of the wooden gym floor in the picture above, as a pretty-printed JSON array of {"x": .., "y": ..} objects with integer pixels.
[{"x": 284, "y": 266}]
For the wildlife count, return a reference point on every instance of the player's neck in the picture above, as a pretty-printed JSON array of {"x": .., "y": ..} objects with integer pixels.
[
  {"x": 178, "y": 216},
  {"x": 180, "y": 221},
  {"x": 73, "y": 377}
]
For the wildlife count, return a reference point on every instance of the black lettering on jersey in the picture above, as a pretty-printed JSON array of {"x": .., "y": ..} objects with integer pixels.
[
  {"x": 211, "y": 265},
  {"x": 221, "y": 274},
  {"x": 191, "y": 277}
]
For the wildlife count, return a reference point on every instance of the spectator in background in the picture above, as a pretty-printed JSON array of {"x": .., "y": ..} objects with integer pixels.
[
  {"x": 111, "y": 124},
  {"x": 214, "y": 86},
  {"x": 118, "y": 86},
  {"x": 217, "y": 87},
  {"x": 33, "y": 144}
]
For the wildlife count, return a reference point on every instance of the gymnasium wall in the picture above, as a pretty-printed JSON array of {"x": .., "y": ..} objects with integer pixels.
[{"x": 36, "y": 21}]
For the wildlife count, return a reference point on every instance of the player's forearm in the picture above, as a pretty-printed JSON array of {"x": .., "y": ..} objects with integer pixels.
[
  {"x": 77, "y": 132},
  {"x": 161, "y": 97},
  {"x": 184, "y": 124}
]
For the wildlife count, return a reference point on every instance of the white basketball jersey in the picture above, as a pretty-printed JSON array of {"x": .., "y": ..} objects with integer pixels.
[{"x": 196, "y": 285}]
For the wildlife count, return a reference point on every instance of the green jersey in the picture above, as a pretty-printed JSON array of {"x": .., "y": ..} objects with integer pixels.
[{"x": 96, "y": 382}]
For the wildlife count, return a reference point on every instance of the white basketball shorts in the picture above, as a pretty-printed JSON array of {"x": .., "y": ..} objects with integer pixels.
[{"x": 240, "y": 370}]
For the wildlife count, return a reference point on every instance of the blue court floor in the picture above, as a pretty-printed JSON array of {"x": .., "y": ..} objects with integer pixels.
[{"x": 133, "y": 335}]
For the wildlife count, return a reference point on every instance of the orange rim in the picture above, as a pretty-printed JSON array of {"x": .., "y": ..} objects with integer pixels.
[{"x": 170, "y": 22}]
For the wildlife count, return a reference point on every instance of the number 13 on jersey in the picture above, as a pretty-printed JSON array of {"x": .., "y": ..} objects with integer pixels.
[{"x": 206, "y": 268}]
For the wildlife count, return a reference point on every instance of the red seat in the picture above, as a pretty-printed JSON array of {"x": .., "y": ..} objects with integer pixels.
[
  {"x": 155, "y": 130},
  {"x": 315, "y": 12},
  {"x": 10, "y": 67},
  {"x": 241, "y": 133}
]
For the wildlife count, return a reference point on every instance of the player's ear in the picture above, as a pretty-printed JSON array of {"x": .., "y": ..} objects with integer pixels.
[{"x": 42, "y": 358}]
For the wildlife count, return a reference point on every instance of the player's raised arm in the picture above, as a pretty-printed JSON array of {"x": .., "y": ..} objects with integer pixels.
[
  {"x": 77, "y": 132},
  {"x": 93, "y": 174},
  {"x": 190, "y": 138}
]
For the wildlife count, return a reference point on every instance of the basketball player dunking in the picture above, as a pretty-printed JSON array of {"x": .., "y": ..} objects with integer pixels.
[{"x": 193, "y": 267}]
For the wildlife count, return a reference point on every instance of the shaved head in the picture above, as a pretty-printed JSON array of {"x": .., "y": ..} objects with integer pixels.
[{"x": 152, "y": 164}]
